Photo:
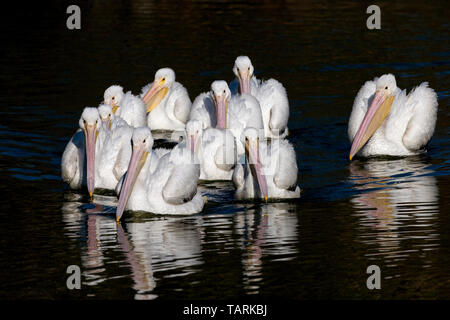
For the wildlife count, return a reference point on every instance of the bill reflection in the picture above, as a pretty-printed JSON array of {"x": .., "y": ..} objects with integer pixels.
[
  {"x": 268, "y": 230},
  {"x": 141, "y": 248},
  {"x": 397, "y": 207}
]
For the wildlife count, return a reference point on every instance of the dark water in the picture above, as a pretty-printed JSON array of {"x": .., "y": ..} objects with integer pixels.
[{"x": 390, "y": 212}]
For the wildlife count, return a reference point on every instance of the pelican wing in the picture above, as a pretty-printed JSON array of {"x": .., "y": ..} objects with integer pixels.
[
  {"x": 203, "y": 110},
  {"x": 118, "y": 149},
  {"x": 225, "y": 156},
  {"x": 286, "y": 171},
  {"x": 182, "y": 103},
  {"x": 272, "y": 96},
  {"x": 132, "y": 110},
  {"x": 72, "y": 161},
  {"x": 122, "y": 161},
  {"x": 251, "y": 115},
  {"x": 424, "y": 105},
  {"x": 360, "y": 106},
  {"x": 244, "y": 112},
  {"x": 238, "y": 176},
  {"x": 181, "y": 186}
]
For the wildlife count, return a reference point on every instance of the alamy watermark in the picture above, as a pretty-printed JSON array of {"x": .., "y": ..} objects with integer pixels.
[
  {"x": 74, "y": 20},
  {"x": 374, "y": 20},
  {"x": 374, "y": 280},
  {"x": 74, "y": 280}
]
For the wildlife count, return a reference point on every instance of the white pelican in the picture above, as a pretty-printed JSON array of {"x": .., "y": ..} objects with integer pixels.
[
  {"x": 270, "y": 171},
  {"x": 214, "y": 148},
  {"x": 221, "y": 110},
  {"x": 387, "y": 121},
  {"x": 166, "y": 185},
  {"x": 129, "y": 107},
  {"x": 270, "y": 94},
  {"x": 107, "y": 154},
  {"x": 109, "y": 120},
  {"x": 167, "y": 102}
]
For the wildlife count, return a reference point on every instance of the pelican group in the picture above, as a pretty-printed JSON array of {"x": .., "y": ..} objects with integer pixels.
[
  {"x": 221, "y": 110},
  {"x": 240, "y": 137}
]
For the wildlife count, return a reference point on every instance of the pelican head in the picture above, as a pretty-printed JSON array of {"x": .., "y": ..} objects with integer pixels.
[
  {"x": 243, "y": 69},
  {"x": 106, "y": 115},
  {"x": 376, "y": 113},
  {"x": 194, "y": 131},
  {"x": 142, "y": 142},
  {"x": 113, "y": 96},
  {"x": 221, "y": 96},
  {"x": 250, "y": 139},
  {"x": 90, "y": 124},
  {"x": 164, "y": 79}
]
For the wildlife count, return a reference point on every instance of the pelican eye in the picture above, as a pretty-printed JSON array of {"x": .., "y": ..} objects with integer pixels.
[
  {"x": 163, "y": 79},
  {"x": 144, "y": 141},
  {"x": 109, "y": 115},
  {"x": 248, "y": 68},
  {"x": 386, "y": 87},
  {"x": 223, "y": 91},
  {"x": 84, "y": 121},
  {"x": 238, "y": 69}
]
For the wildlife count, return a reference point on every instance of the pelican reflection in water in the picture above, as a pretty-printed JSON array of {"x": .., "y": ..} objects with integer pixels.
[
  {"x": 397, "y": 206},
  {"x": 267, "y": 230},
  {"x": 147, "y": 246}
]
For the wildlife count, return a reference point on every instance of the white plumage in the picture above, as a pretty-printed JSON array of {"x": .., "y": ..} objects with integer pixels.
[
  {"x": 97, "y": 156},
  {"x": 73, "y": 163},
  {"x": 127, "y": 106},
  {"x": 221, "y": 110},
  {"x": 161, "y": 182},
  {"x": 203, "y": 110},
  {"x": 214, "y": 148},
  {"x": 113, "y": 154},
  {"x": 109, "y": 120},
  {"x": 167, "y": 102},
  {"x": 269, "y": 170},
  {"x": 406, "y": 125},
  {"x": 270, "y": 94}
]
